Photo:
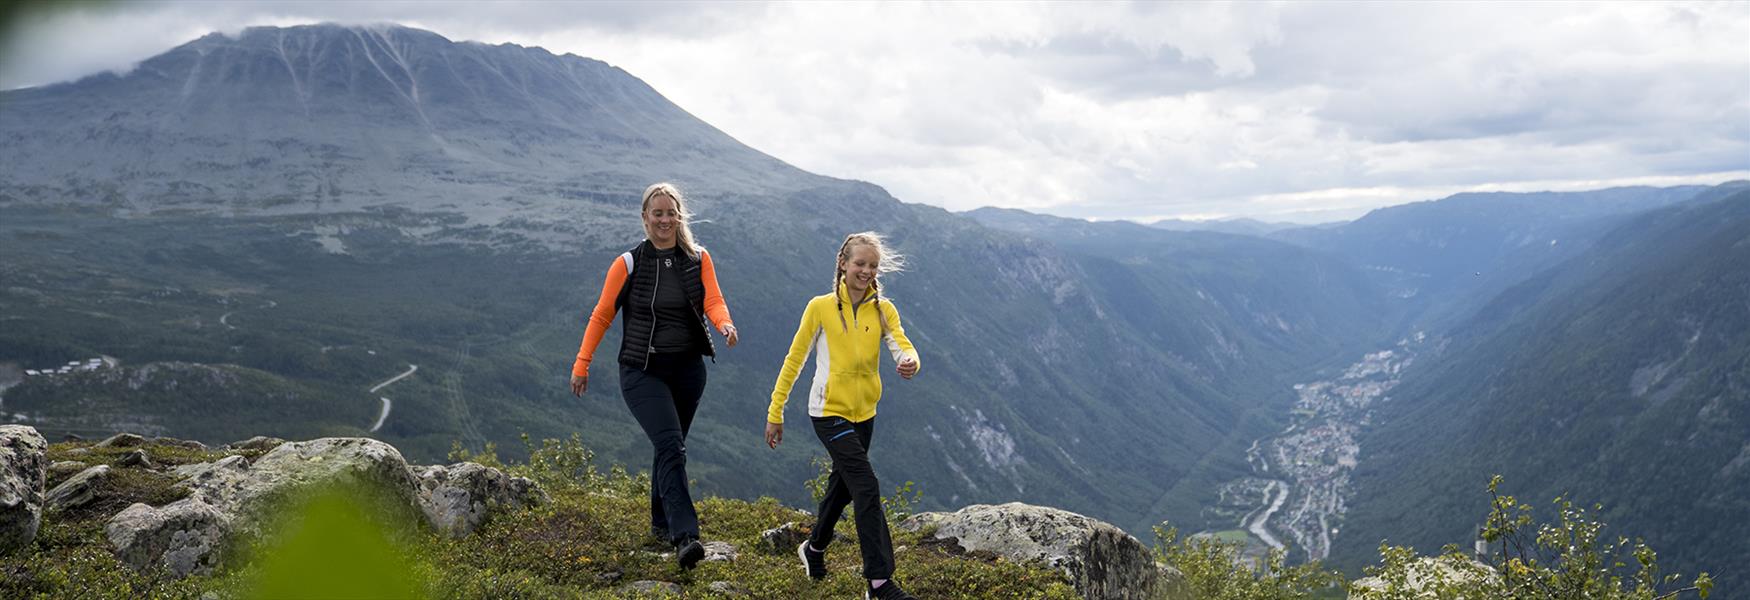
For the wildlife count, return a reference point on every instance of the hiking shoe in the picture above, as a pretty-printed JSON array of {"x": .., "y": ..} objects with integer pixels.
[
  {"x": 689, "y": 553},
  {"x": 814, "y": 563},
  {"x": 887, "y": 591}
]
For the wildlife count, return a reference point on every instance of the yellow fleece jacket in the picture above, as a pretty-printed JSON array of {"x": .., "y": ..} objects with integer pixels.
[{"x": 846, "y": 339}]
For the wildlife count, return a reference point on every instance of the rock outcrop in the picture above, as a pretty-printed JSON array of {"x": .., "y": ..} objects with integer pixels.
[
  {"x": 1102, "y": 561},
  {"x": 23, "y": 472},
  {"x": 233, "y": 496},
  {"x": 458, "y": 498},
  {"x": 78, "y": 490}
]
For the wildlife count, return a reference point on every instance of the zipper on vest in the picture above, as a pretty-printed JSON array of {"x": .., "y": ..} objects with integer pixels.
[{"x": 650, "y": 344}]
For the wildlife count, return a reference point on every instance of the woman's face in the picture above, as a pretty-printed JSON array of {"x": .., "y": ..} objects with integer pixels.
[
  {"x": 861, "y": 267},
  {"x": 661, "y": 220}
]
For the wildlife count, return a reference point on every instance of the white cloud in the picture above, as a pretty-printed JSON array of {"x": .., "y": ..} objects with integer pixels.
[{"x": 1277, "y": 111}]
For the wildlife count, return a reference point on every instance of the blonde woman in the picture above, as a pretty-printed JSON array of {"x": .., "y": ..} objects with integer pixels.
[
  {"x": 667, "y": 287},
  {"x": 846, "y": 330}
]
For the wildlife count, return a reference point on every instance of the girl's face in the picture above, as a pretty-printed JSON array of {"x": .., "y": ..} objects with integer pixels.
[
  {"x": 861, "y": 267},
  {"x": 660, "y": 221}
]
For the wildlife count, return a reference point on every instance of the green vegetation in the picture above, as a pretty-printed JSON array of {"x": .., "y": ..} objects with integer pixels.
[{"x": 588, "y": 543}]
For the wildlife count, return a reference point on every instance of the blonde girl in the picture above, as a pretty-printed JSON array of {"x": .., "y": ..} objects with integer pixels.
[{"x": 845, "y": 330}]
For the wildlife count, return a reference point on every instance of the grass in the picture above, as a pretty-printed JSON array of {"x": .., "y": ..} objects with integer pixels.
[{"x": 589, "y": 542}]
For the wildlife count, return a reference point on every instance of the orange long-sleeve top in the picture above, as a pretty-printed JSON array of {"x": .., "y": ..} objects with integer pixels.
[{"x": 603, "y": 315}]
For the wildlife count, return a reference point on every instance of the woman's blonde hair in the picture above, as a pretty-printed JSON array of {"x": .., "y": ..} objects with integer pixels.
[
  {"x": 890, "y": 261},
  {"x": 683, "y": 234}
]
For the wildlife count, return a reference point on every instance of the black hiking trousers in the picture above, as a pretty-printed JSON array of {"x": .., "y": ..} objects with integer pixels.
[
  {"x": 663, "y": 397},
  {"x": 853, "y": 481}
]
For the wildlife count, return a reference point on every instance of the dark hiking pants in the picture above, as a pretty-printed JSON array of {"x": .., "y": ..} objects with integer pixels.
[
  {"x": 853, "y": 481},
  {"x": 663, "y": 397}
]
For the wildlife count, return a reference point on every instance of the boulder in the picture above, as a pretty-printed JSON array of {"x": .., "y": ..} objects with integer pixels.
[
  {"x": 230, "y": 496},
  {"x": 121, "y": 440},
  {"x": 1423, "y": 578},
  {"x": 720, "y": 552},
  {"x": 260, "y": 442},
  {"x": 783, "y": 539},
  {"x": 458, "y": 498},
  {"x": 136, "y": 458},
  {"x": 78, "y": 491},
  {"x": 170, "y": 441},
  {"x": 23, "y": 472},
  {"x": 183, "y": 537},
  {"x": 61, "y": 468},
  {"x": 1102, "y": 561}
]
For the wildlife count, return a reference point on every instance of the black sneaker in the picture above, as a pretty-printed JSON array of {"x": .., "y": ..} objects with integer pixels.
[
  {"x": 689, "y": 553},
  {"x": 813, "y": 563},
  {"x": 887, "y": 591}
]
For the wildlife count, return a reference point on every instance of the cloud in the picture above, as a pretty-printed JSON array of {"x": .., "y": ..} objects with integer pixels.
[{"x": 1272, "y": 110}]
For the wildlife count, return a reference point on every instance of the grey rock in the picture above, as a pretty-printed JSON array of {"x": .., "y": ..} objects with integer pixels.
[
  {"x": 71, "y": 438},
  {"x": 260, "y": 442},
  {"x": 727, "y": 588},
  {"x": 122, "y": 440},
  {"x": 1100, "y": 560},
  {"x": 79, "y": 452},
  {"x": 170, "y": 441},
  {"x": 78, "y": 491},
  {"x": 1423, "y": 573},
  {"x": 137, "y": 458},
  {"x": 65, "y": 467},
  {"x": 23, "y": 472},
  {"x": 720, "y": 552},
  {"x": 226, "y": 498},
  {"x": 651, "y": 587},
  {"x": 782, "y": 539},
  {"x": 183, "y": 537},
  {"x": 458, "y": 498}
]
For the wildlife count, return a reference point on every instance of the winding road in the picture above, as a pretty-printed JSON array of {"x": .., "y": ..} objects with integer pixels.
[{"x": 387, "y": 403}]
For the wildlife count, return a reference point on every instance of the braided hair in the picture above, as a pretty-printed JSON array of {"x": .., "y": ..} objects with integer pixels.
[{"x": 889, "y": 262}]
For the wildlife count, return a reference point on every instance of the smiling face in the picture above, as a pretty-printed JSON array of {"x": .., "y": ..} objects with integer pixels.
[
  {"x": 861, "y": 265},
  {"x": 661, "y": 220}
]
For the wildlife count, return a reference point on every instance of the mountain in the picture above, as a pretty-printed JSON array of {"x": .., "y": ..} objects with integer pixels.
[
  {"x": 1619, "y": 377},
  {"x": 1233, "y": 226},
  {"x": 352, "y": 230},
  {"x": 1443, "y": 258}
]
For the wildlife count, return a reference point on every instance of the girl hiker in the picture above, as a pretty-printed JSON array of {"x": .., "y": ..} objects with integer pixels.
[
  {"x": 667, "y": 286},
  {"x": 845, "y": 330}
]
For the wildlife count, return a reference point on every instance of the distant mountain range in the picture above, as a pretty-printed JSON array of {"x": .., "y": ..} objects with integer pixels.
[
  {"x": 262, "y": 229},
  {"x": 1233, "y": 226}
]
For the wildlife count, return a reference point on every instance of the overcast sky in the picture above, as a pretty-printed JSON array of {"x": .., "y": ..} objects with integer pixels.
[{"x": 1304, "y": 112}]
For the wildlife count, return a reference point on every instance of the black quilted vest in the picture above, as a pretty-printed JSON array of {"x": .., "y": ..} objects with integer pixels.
[{"x": 639, "y": 295}]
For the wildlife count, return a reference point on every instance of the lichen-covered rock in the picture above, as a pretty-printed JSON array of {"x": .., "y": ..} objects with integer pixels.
[
  {"x": 136, "y": 458},
  {"x": 1102, "y": 561},
  {"x": 782, "y": 539},
  {"x": 170, "y": 441},
  {"x": 62, "y": 468},
  {"x": 260, "y": 442},
  {"x": 78, "y": 491},
  {"x": 1423, "y": 578},
  {"x": 183, "y": 537},
  {"x": 720, "y": 552},
  {"x": 23, "y": 472},
  {"x": 458, "y": 498},
  {"x": 726, "y": 588},
  {"x": 229, "y": 496},
  {"x": 122, "y": 440}
]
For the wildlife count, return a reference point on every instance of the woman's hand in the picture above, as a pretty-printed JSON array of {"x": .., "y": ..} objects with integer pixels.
[
  {"x": 728, "y": 331},
  {"x": 774, "y": 434},
  {"x": 578, "y": 385},
  {"x": 908, "y": 367}
]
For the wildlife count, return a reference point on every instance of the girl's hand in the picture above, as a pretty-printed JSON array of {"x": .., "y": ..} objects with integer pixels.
[
  {"x": 908, "y": 367},
  {"x": 578, "y": 385},
  {"x": 774, "y": 434},
  {"x": 728, "y": 331}
]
